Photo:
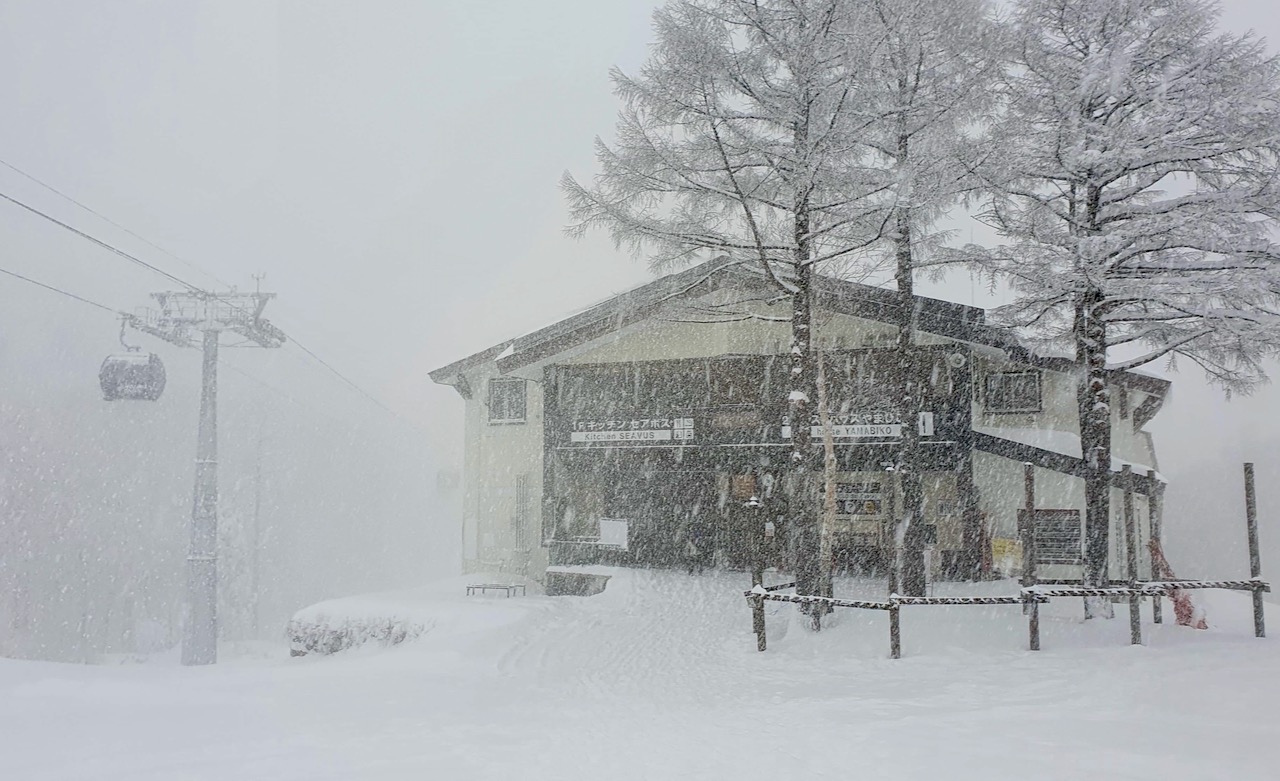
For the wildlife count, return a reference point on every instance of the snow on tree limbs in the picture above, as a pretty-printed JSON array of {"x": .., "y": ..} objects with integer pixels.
[
  {"x": 788, "y": 134},
  {"x": 1136, "y": 188}
]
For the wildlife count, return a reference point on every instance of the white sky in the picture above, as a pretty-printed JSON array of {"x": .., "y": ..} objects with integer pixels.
[{"x": 391, "y": 166}]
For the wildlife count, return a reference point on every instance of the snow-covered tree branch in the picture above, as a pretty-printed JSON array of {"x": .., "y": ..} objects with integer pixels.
[{"x": 1137, "y": 190}]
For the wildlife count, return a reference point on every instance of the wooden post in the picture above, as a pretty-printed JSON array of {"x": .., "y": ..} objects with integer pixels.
[
  {"x": 1131, "y": 558},
  {"x": 1028, "y": 534},
  {"x": 757, "y": 621},
  {"x": 754, "y": 525},
  {"x": 895, "y": 633},
  {"x": 1155, "y": 502},
  {"x": 889, "y": 490},
  {"x": 1033, "y": 627},
  {"x": 1255, "y": 555}
]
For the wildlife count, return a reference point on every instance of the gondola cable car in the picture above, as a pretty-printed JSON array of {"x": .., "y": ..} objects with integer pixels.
[{"x": 132, "y": 375}]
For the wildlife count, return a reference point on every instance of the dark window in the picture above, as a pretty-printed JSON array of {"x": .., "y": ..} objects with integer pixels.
[
  {"x": 1013, "y": 392},
  {"x": 506, "y": 401}
]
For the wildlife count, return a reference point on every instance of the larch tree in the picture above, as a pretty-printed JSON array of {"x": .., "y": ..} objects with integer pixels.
[
  {"x": 742, "y": 136},
  {"x": 928, "y": 91},
  {"x": 1137, "y": 191}
]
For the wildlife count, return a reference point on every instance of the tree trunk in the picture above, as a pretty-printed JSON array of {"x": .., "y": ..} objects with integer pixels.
[
  {"x": 909, "y": 536},
  {"x": 828, "y": 520},
  {"x": 1094, "y": 398},
  {"x": 810, "y": 578},
  {"x": 804, "y": 506}
]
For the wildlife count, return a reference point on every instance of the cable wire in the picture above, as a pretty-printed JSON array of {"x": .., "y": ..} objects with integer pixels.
[
  {"x": 342, "y": 377},
  {"x": 223, "y": 363},
  {"x": 112, "y": 222},
  {"x": 134, "y": 259},
  {"x": 101, "y": 243},
  {"x": 60, "y": 291},
  {"x": 938, "y": 316}
]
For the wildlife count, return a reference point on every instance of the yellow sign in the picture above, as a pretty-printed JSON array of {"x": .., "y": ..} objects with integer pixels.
[{"x": 1006, "y": 554}]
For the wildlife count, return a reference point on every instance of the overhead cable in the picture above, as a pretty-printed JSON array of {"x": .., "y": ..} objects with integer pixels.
[
  {"x": 233, "y": 368},
  {"x": 112, "y": 222},
  {"x": 342, "y": 377},
  {"x": 101, "y": 243},
  {"x": 60, "y": 291}
]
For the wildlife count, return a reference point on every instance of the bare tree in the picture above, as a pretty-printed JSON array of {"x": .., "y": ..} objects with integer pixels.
[
  {"x": 1137, "y": 187},
  {"x": 742, "y": 136},
  {"x": 928, "y": 90}
]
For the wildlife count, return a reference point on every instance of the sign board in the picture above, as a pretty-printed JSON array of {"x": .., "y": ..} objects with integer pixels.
[
  {"x": 1057, "y": 536},
  {"x": 633, "y": 431},
  {"x": 858, "y": 499},
  {"x": 741, "y": 400},
  {"x": 742, "y": 486},
  {"x": 1006, "y": 554},
  {"x": 867, "y": 425},
  {"x": 613, "y": 532}
]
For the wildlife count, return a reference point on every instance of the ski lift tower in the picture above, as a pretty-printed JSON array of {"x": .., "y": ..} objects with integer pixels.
[{"x": 180, "y": 316}]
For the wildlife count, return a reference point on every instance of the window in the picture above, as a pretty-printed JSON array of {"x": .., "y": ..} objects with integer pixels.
[
  {"x": 1013, "y": 392},
  {"x": 506, "y": 401}
]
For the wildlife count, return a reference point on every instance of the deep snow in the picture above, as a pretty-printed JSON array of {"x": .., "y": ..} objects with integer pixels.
[{"x": 658, "y": 678}]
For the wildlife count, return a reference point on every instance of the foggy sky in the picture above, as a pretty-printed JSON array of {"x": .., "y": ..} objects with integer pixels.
[{"x": 390, "y": 166}]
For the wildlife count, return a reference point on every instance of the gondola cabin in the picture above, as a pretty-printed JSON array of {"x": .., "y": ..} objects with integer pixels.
[{"x": 132, "y": 376}]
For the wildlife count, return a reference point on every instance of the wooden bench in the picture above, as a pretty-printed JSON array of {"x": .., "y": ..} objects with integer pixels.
[{"x": 509, "y": 588}]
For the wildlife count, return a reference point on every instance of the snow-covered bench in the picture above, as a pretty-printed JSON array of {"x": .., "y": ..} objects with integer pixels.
[{"x": 509, "y": 588}]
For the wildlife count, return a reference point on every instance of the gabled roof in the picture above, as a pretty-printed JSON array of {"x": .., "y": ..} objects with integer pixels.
[{"x": 943, "y": 318}]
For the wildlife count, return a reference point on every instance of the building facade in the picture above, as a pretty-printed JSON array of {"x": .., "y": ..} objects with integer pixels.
[{"x": 621, "y": 433}]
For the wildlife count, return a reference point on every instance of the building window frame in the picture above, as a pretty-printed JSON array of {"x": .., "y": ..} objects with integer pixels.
[
  {"x": 1000, "y": 401},
  {"x": 508, "y": 401}
]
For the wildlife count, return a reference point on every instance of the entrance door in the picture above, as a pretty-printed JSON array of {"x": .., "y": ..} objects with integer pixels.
[
  {"x": 693, "y": 512},
  {"x": 669, "y": 508}
]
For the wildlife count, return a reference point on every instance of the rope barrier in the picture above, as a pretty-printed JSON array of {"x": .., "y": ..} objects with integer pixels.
[
  {"x": 810, "y": 600},
  {"x": 1018, "y": 600},
  {"x": 1033, "y": 593},
  {"x": 1149, "y": 589},
  {"x": 1030, "y": 597},
  {"x": 896, "y": 600},
  {"x": 1234, "y": 585}
]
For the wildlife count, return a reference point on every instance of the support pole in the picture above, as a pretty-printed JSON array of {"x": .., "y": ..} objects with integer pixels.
[
  {"x": 180, "y": 314},
  {"x": 1028, "y": 534},
  {"x": 255, "y": 573},
  {"x": 1033, "y": 626},
  {"x": 757, "y": 622},
  {"x": 200, "y": 631},
  {"x": 1255, "y": 553},
  {"x": 755, "y": 546},
  {"x": 895, "y": 633},
  {"x": 1155, "y": 509},
  {"x": 1131, "y": 558}
]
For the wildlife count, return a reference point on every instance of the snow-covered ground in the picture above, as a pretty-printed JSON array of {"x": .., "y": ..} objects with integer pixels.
[{"x": 658, "y": 678}]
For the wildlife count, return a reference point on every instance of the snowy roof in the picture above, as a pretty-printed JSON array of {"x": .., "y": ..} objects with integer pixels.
[
  {"x": 1063, "y": 443},
  {"x": 935, "y": 316}
]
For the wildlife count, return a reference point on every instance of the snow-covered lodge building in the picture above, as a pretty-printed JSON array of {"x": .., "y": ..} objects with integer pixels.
[{"x": 615, "y": 434}]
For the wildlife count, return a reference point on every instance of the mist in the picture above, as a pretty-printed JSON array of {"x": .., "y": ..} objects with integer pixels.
[
  {"x": 391, "y": 169},
  {"x": 507, "y": 565}
]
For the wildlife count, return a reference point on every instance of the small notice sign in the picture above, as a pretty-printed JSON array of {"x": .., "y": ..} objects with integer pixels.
[
  {"x": 858, "y": 499},
  {"x": 633, "y": 431},
  {"x": 867, "y": 425},
  {"x": 1057, "y": 536},
  {"x": 620, "y": 436}
]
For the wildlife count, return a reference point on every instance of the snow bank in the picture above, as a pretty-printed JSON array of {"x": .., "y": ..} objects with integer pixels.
[
  {"x": 324, "y": 635},
  {"x": 391, "y": 618},
  {"x": 658, "y": 677}
]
